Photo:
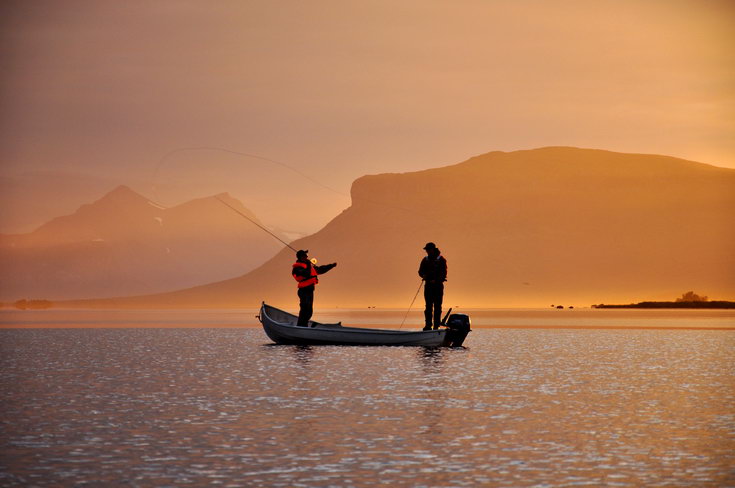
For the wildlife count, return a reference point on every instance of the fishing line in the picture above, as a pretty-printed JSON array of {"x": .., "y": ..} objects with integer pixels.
[
  {"x": 247, "y": 155},
  {"x": 409, "y": 307},
  {"x": 172, "y": 152},
  {"x": 412, "y": 212}
]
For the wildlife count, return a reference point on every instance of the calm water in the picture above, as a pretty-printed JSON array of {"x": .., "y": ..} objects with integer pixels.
[{"x": 220, "y": 406}]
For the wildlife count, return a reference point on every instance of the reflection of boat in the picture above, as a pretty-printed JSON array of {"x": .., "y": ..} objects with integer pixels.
[{"x": 281, "y": 327}]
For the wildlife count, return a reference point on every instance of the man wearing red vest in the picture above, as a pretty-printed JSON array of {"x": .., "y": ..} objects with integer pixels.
[
  {"x": 306, "y": 273},
  {"x": 433, "y": 270}
]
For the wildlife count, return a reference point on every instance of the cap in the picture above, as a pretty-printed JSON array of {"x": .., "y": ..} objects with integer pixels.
[
  {"x": 429, "y": 245},
  {"x": 301, "y": 252}
]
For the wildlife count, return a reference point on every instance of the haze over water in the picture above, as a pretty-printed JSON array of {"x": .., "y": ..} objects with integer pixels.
[
  {"x": 519, "y": 407},
  {"x": 557, "y": 152}
]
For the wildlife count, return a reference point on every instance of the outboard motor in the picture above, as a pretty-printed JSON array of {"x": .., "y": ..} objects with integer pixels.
[{"x": 458, "y": 326}]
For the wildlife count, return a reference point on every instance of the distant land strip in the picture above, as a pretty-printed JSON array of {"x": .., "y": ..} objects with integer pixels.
[{"x": 698, "y": 304}]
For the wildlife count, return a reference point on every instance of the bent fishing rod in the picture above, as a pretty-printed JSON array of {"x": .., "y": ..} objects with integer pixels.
[
  {"x": 256, "y": 223},
  {"x": 444, "y": 320}
]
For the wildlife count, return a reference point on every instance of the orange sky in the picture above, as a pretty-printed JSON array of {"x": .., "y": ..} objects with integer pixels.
[{"x": 340, "y": 89}]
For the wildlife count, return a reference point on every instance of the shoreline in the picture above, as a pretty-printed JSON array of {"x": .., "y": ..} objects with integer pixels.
[{"x": 703, "y": 305}]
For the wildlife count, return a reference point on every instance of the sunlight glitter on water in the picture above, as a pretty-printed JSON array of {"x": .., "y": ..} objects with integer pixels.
[{"x": 519, "y": 407}]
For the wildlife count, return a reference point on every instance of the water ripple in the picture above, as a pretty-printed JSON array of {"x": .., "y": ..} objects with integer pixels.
[{"x": 542, "y": 408}]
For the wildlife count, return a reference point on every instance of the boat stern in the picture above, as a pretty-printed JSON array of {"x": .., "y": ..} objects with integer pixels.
[{"x": 458, "y": 326}]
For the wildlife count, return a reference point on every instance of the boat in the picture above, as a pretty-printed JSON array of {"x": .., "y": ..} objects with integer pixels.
[{"x": 281, "y": 328}]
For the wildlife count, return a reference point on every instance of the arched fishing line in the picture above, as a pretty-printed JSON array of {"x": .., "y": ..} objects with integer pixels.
[{"x": 238, "y": 153}]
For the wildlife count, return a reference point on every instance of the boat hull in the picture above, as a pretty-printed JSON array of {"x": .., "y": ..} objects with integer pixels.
[{"x": 281, "y": 328}]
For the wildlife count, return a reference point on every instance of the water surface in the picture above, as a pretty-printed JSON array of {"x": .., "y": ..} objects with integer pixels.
[{"x": 222, "y": 406}]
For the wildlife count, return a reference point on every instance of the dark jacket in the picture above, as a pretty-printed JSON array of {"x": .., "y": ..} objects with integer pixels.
[{"x": 433, "y": 269}]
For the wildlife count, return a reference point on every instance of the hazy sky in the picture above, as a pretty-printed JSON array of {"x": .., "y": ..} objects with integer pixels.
[{"x": 338, "y": 89}]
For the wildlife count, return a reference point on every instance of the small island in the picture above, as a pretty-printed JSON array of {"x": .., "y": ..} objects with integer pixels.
[{"x": 687, "y": 300}]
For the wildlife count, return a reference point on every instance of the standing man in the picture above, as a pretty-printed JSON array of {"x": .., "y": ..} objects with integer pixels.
[
  {"x": 433, "y": 270},
  {"x": 305, "y": 272}
]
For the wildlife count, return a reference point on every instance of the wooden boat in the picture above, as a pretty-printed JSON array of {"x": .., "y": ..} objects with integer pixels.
[{"x": 281, "y": 327}]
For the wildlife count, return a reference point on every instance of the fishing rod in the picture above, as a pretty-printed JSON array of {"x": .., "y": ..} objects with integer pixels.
[
  {"x": 313, "y": 260},
  {"x": 256, "y": 223},
  {"x": 414, "y": 299}
]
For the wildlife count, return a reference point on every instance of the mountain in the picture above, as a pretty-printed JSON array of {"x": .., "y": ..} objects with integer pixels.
[
  {"x": 24, "y": 197},
  {"x": 525, "y": 228},
  {"x": 124, "y": 244}
]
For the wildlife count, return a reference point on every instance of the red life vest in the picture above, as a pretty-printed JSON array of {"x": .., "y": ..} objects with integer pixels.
[{"x": 304, "y": 282}]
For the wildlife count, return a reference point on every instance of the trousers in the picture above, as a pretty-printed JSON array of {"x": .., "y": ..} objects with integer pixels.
[
  {"x": 433, "y": 295},
  {"x": 306, "y": 305}
]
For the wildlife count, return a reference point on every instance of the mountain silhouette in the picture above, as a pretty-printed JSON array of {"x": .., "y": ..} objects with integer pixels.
[
  {"x": 124, "y": 244},
  {"x": 523, "y": 228},
  {"x": 25, "y": 202}
]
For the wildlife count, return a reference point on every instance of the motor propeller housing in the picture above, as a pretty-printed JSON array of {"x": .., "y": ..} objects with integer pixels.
[{"x": 458, "y": 326}]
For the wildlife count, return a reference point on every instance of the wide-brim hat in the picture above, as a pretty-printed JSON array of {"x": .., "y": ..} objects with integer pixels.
[
  {"x": 429, "y": 245},
  {"x": 301, "y": 252}
]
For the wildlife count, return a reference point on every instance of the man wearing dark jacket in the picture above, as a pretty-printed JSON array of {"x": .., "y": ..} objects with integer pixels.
[
  {"x": 305, "y": 272},
  {"x": 433, "y": 270}
]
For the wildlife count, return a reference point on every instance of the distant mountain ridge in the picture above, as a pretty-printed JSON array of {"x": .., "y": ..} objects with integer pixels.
[
  {"x": 524, "y": 228},
  {"x": 124, "y": 243},
  {"x": 24, "y": 197}
]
